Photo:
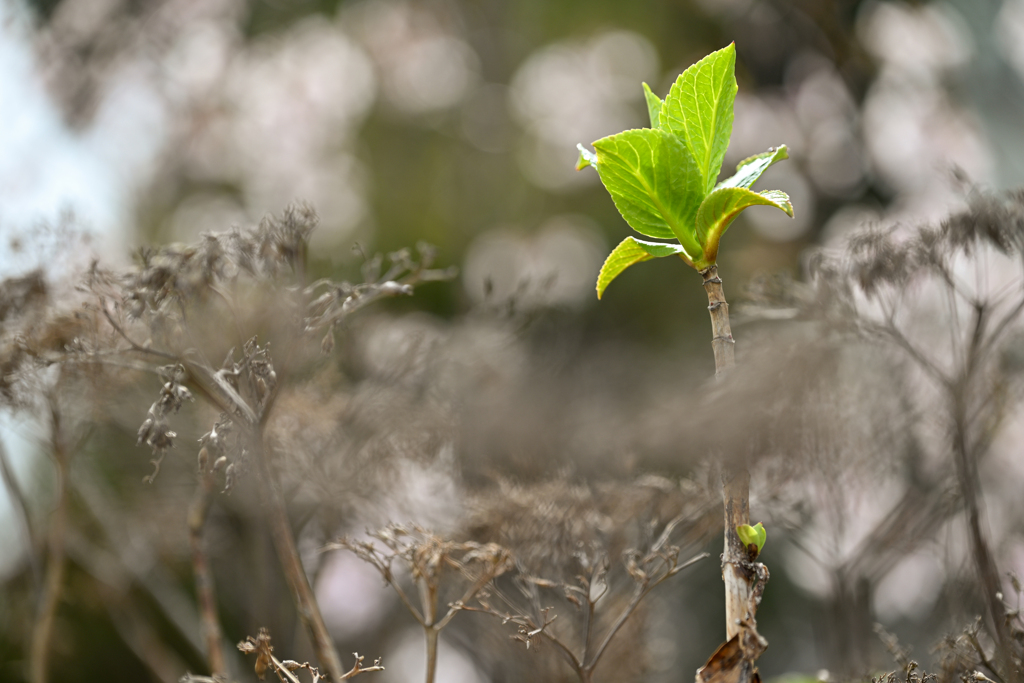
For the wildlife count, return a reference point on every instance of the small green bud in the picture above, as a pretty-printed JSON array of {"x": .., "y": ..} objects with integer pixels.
[{"x": 753, "y": 537}]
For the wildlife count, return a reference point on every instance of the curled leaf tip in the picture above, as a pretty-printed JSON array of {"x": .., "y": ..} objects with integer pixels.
[{"x": 587, "y": 158}]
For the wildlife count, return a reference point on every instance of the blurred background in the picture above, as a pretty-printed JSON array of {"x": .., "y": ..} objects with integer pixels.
[{"x": 133, "y": 122}]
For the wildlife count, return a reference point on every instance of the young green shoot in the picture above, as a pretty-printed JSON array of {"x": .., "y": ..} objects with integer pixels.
[
  {"x": 664, "y": 182},
  {"x": 664, "y": 179}
]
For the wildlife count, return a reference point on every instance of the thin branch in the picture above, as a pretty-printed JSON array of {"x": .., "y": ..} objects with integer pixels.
[
  {"x": 124, "y": 335},
  {"x": 364, "y": 295},
  {"x": 482, "y": 581},
  {"x": 638, "y": 594},
  {"x": 205, "y": 594},
  {"x": 588, "y": 626},
  {"x": 211, "y": 384},
  {"x": 967, "y": 470},
  {"x": 357, "y": 668},
  {"x": 689, "y": 563},
  {"x": 217, "y": 390},
  {"x": 642, "y": 590},
  {"x": 534, "y": 630},
  {"x": 972, "y": 638},
  {"x": 666, "y": 534},
  {"x": 282, "y": 669},
  {"x": 1000, "y": 327},
  {"x": 291, "y": 564},
  {"x": 407, "y": 602},
  {"x": 893, "y": 334}
]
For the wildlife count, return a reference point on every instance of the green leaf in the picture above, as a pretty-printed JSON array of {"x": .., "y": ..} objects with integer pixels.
[
  {"x": 751, "y": 168},
  {"x": 720, "y": 208},
  {"x": 654, "y": 183},
  {"x": 632, "y": 251},
  {"x": 752, "y": 535},
  {"x": 654, "y": 105},
  {"x": 698, "y": 109},
  {"x": 587, "y": 158}
]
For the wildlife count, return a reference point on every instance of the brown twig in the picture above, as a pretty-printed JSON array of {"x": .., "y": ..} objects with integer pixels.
[
  {"x": 131, "y": 342},
  {"x": 649, "y": 571},
  {"x": 295, "y": 574},
  {"x": 265, "y": 659},
  {"x": 206, "y": 597},
  {"x": 972, "y": 638},
  {"x": 639, "y": 593},
  {"x": 427, "y": 556},
  {"x": 967, "y": 470}
]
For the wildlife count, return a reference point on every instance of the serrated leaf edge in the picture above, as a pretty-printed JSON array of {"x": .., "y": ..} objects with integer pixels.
[
  {"x": 709, "y": 175},
  {"x": 686, "y": 238},
  {"x": 648, "y": 249},
  {"x": 776, "y": 154}
]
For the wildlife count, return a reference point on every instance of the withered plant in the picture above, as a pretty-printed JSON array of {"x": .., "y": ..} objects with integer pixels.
[
  {"x": 586, "y": 557},
  {"x": 437, "y": 567},
  {"x": 949, "y": 300},
  {"x": 166, "y": 317},
  {"x": 908, "y": 341}
]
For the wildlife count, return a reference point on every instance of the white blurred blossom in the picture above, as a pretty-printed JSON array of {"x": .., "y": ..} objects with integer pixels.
[
  {"x": 920, "y": 39},
  {"x": 423, "y": 62},
  {"x": 577, "y": 92},
  {"x": 914, "y": 132}
]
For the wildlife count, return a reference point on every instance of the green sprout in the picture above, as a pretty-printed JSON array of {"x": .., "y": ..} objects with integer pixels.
[
  {"x": 662, "y": 178},
  {"x": 752, "y": 536}
]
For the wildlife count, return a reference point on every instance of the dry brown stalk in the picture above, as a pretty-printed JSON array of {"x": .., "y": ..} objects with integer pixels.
[
  {"x": 428, "y": 558},
  {"x": 647, "y": 569},
  {"x": 265, "y": 659},
  {"x": 206, "y": 597},
  {"x": 295, "y": 573}
]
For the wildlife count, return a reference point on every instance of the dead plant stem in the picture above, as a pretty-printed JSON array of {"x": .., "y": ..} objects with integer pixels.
[
  {"x": 295, "y": 573},
  {"x": 967, "y": 471},
  {"x": 206, "y": 597},
  {"x": 432, "y": 634}
]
